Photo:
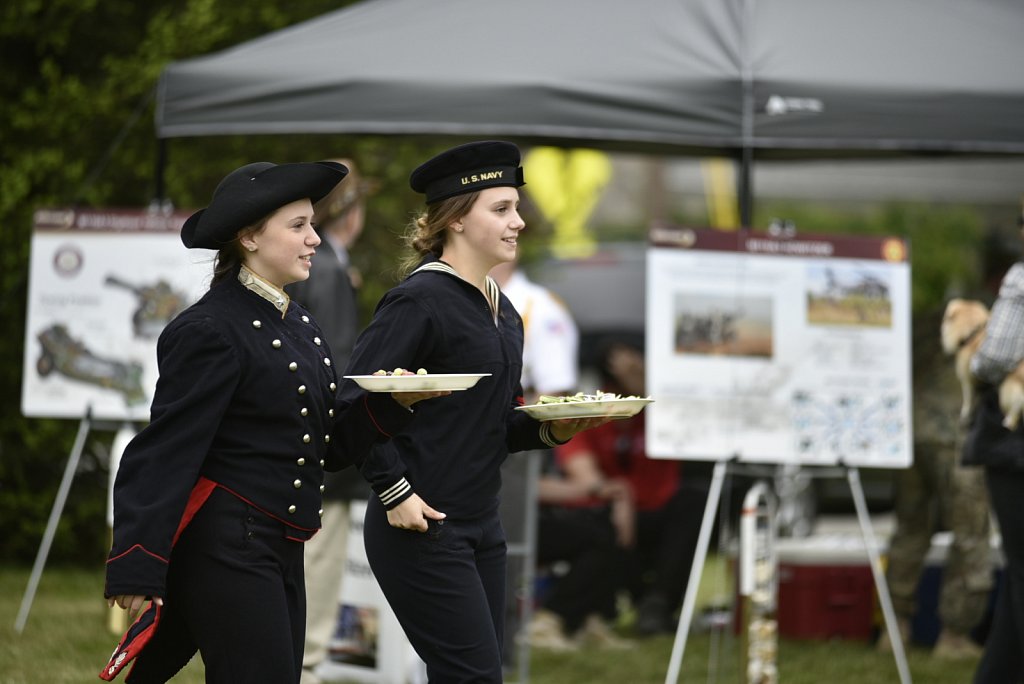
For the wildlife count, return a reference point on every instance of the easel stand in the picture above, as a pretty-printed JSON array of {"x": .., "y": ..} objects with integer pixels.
[
  {"x": 51, "y": 525},
  {"x": 700, "y": 555},
  {"x": 527, "y": 550}
]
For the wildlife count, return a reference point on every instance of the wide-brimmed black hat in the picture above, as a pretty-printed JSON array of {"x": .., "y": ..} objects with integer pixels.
[
  {"x": 248, "y": 194},
  {"x": 468, "y": 168}
]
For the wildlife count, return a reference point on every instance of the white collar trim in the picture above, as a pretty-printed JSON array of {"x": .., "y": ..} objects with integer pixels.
[{"x": 273, "y": 294}]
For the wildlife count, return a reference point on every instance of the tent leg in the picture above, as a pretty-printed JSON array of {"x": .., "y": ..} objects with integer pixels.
[
  {"x": 696, "y": 570},
  {"x": 746, "y": 189},
  {"x": 888, "y": 612},
  {"x": 51, "y": 526}
]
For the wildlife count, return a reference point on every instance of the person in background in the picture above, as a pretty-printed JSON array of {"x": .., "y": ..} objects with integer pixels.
[
  {"x": 433, "y": 536},
  {"x": 620, "y": 494},
  {"x": 550, "y": 367},
  {"x": 215, "y": 497},
  {"x": 550, "y": 336},
  {"x": 1001, "y": 452},
  {"x": 937, "y": 493},
  {"x": 330, "y": 294}
]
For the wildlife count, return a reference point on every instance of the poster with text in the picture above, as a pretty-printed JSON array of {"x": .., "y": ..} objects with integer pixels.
[
  {"x": 103, "y": 283},
  {"x": 778, "y": 349},
  {"x": 368, "y": 644}
]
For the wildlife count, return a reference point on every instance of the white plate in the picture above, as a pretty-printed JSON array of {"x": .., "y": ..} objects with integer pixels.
[
  {"x": 616, "y": 408},
  {"x": 417, "y": 383}
]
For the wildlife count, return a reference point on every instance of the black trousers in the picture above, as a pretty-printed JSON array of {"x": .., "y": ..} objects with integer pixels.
[
  {"x": 447, "y": 588},
  {"x": 1003, "y": 661},
  {"x": 666, "y": 541},
  {"x": 235, "y": 593},
  {"x": 585, "y": 539}
]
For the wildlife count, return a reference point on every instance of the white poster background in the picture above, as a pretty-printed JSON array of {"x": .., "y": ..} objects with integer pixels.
[
  {"x": 95, "y": 355},
  {"x": 394, "y": 660},
  {"x": 779, "y": 350}
]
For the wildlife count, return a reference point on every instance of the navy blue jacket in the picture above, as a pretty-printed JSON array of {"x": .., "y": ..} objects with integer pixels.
[
  {"x": 452, "y": 450},
  {"x": 246, "y": 400}
]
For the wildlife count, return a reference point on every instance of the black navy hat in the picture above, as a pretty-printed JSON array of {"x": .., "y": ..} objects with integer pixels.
[
  {"x": 468, "y": 168},
  {"x": 254, "y": 191}
]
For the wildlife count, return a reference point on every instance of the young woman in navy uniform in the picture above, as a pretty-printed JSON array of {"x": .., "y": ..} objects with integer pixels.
[
  {"x": 433, "y": 537},
  {"x": 213, "y": 499}
]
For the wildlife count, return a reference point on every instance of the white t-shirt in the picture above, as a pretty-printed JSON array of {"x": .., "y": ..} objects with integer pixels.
[{"x": 551, "y": 339}]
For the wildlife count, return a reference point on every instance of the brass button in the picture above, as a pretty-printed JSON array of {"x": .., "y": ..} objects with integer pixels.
[
  {"x": 327, "y": 439},
  {"x": 291, "y": 509},
  {"x": 321, "y": 489},
  {"x": 276, "y": 344},
  {"x": 304, "y": 411},
  {"x": 293, "y": 366},
  {"x": 300, "y": 461},
  {"x": 333, "y": 387},
  {"x": 302, "y": 389},
  {"x": 321, "y": 463},
  {"x": 297, "y": 484},
  {"x": 320, "y": 512},
  {"x": 330, "y": 412},
  {"x": 257, "y": 325},
  {"x": 306, "y": 438}
]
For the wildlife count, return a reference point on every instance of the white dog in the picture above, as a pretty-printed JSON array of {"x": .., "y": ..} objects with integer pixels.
[{"x": 963, "y": 329}]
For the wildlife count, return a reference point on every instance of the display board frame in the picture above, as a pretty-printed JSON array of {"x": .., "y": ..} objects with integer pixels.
[
  {"x": 102, "y": 285},
  {"x": 767, "y": 348}
]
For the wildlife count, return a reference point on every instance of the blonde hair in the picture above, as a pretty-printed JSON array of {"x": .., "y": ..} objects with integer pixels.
[{"x": 428, "y": 233}]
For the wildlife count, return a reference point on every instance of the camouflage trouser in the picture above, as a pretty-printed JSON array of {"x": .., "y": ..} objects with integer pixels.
[{"x": 937, "y": 493}]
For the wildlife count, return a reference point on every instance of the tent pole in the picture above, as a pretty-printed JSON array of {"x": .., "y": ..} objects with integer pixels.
[
  {"x": 159, "y": 192},
  {"x": 746, "y": 190}
]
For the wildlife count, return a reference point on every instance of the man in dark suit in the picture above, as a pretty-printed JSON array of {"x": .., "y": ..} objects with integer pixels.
[{"x": 330, "y": 295}]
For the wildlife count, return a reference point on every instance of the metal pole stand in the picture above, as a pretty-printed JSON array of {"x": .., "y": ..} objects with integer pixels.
[
  {"x": 699, "y": 556},
  {"x": 51, "y": 525},
  {"x": 759, "y": 582},
  {"x": 853, "y": 476}
]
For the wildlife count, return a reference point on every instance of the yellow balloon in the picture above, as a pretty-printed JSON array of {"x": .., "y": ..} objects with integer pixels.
[{"x": 566, "y": 186}]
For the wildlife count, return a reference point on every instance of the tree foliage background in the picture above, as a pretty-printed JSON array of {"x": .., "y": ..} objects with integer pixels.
[{"x": 76, "y": 129}]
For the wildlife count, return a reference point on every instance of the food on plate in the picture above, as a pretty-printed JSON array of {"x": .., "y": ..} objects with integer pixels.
[
  {"x": 399, "y": 371},
  {"x": 581, "y": 397}
]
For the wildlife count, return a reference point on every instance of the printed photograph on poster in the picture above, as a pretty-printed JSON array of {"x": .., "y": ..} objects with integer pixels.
[
  {"x": 102, "y": 286},
  {"x": 355, "y": 640},
  {"x": 777, "y": 350},
  {"x": 722, "y": 325},
  {"x": 848, "y": 296}
]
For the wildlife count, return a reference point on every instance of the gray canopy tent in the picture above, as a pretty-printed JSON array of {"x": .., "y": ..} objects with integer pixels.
[
  {"x": 748, "y": 79},
  {"x": 741, "y": 78}
]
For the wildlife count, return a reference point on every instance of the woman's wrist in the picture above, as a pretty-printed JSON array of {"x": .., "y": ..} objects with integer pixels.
[{"x": 550, "y": 437}]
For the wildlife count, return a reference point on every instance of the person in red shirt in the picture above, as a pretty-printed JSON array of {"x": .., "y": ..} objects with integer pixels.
[{"x": 653, "y": 519}]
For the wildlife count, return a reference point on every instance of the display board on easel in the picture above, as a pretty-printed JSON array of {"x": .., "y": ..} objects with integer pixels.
[
  {"x": 102, "y": 285},
  {"x": 779, "y": 349}
]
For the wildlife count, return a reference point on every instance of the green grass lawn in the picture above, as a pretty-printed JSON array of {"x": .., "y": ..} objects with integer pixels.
[{"x": 66, "y": 640}]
